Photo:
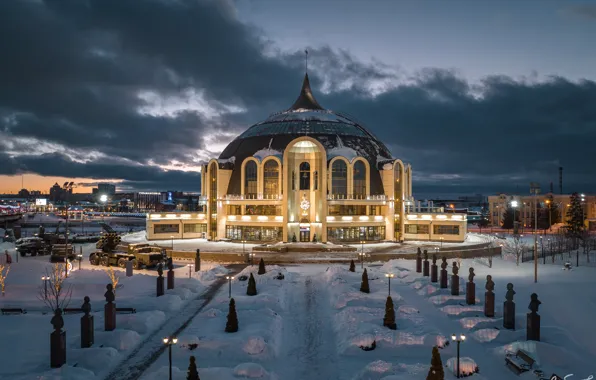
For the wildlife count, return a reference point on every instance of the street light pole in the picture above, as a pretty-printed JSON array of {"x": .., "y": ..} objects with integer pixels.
[
  {"x": 45, "y": 285},
  {"x": 457, "y": 339},
  {"x": 361, "y": 254},
  {"x": 535, "y": 189},
  {"x": 229, "y": 278},
  {"x": 514, "y": 206},
  {"x": 170, "y": 342},
  {"x": 389, "y": 276}
]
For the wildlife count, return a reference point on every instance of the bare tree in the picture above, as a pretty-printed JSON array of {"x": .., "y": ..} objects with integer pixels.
[
  {"x": 113, "y": 278},
  {"x": 515, "y": 247},
  {"x": 585, "y": 242},
  {"x": 4, "y": 269},
  {"x": 58, "y": 295}
]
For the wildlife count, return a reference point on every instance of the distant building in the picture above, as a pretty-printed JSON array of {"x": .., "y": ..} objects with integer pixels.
[
  {"x": 106, "y": 188},
  {"x": 59, "y": 194},
  {"x": 526, "y": 204},
  {"x": 24, "y": 193}
]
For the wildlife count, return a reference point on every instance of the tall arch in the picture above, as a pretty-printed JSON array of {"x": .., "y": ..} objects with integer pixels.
[
  {"x": 271, "y": 178},
  {"x": 213, "y": 200},
  {"x": 359, "y": 179},
  {"x": 250, "y": 177},
  {"x": 339, "y": 178},
  {"x": 304, "y": 176}
]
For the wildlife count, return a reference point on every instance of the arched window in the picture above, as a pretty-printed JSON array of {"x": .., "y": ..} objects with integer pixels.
[
  {"x": 305, "y": 176},
  {"x": 397, "y": 185},
  {"x": 359, "y": 180},
  {"x": 250, "y": 179},
  {"x": 339, "y": 178},
  {"x": 271, "y": 178},
  {"x": 213, "y": 200}
]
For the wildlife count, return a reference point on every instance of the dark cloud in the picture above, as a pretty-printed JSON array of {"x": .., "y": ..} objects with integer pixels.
[{"x": 71, "y": 73}]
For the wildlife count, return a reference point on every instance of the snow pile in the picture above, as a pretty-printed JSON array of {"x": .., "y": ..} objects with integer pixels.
[
  {"x": 467, "y": 366},
  {"x": 250, "y": 370},
  {"x": 142, "y": 322}
]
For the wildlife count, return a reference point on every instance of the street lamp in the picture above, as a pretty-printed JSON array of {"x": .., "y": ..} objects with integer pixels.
[
  {"x": 80, "y": 256},
  {"x": 441, "y": 239},
  {"x": 514, "y": 205},
  {"x": 170, "y": 342},
  {"x": 229, "y": 278},
  {"x": 361, "y": 255},
  {"x": 535, "y": 189},
  {"x": 103, "y": 199},
  {"x": 457, "y": 339},
  {"x": 389, "y": 276},
  {"x": 362, "y": 246},
  {"x": 190, "y": 270},
  {"x": 45, "y": 280},
  {"x": 172, "y": 237},
  {"x": 252, "y": 256}
]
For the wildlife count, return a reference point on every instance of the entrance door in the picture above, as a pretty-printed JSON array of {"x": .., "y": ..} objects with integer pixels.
[{"x": 304, "y": 235}]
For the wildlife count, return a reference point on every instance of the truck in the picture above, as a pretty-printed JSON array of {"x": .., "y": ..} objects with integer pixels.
[
  {"x": 110, "y": 252},
  {"x": 31, "y": 246}
]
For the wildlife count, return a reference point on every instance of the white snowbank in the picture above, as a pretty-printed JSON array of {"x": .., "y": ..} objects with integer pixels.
[{"x": 467, "y": 366}]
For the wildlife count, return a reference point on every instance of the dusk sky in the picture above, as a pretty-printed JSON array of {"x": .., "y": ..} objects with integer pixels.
[{"x": 479, "y": 96}]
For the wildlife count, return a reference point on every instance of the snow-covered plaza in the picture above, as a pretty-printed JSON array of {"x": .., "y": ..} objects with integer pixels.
[{"x": 315, "y": 323}]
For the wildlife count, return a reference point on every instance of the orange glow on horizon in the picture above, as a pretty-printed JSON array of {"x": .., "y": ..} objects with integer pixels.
[{"x": 12, "y": 184}]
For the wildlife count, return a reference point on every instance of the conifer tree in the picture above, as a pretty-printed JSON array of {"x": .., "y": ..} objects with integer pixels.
[
  {"x": 352, "y": 266},
  {"x": 251, "y": 290},
  {"x": 507, "y": 222},
  {"x": 554, "y": 216},
  {"x": 261, "y": 267},
  {"x": 193, "y": 373},
  {"x": 436, "y": 366},
  {"x": 389, "y": 320},
  {"x": 575, "y": 217},
  {"x": 364, "y": 285},
  {"x": 232, "y": 322}
]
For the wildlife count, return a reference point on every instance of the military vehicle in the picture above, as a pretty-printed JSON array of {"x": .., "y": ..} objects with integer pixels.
[
  {"x": 60, "y": 251},
  {"x": 9, "y": 236},
  {"x": 110, "y": 252},
  {"x": 31, "y": 246}
]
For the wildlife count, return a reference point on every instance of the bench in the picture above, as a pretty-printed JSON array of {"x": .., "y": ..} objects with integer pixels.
[
  {"x": 519, "y": 362},
  {"x": 6, "y": 311},
  {"x": 126, "y": 310}
]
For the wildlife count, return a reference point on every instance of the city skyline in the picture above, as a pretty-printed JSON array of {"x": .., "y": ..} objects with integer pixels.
[{"x": 478, "y": 97}]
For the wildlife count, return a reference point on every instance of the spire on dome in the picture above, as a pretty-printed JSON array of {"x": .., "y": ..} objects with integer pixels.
[{"x": 306, "y": 100}]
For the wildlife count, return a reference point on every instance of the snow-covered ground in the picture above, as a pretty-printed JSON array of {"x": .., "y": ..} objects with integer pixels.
[
  {"x": 312, "y": 323},
  {"x": 25, "y": 338}
]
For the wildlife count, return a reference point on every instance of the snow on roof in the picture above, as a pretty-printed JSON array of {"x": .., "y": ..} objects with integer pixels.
[
  {"x": 342, "y": 150},
  {"x": 267, "y": 152},
  {"x": 230, "y": 160}
]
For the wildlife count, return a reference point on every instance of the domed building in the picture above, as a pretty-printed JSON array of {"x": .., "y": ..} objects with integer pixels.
[{"x": 308, "y": 174}]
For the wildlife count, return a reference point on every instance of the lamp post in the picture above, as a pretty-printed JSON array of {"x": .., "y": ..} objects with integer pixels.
[
  {"x": 172, "y": 237},
  {"x": 229, "y": 278},
  {"x": 252, "y": 256},
  {"x": 514, "y": 205},
  {"x": 549, "y": 213},
  {"x": 535, "y": 189},
  {"x": 103, "y": 199},
  {"x": 458, "y": 339},
  {"x": 389, "y": 277},
  {"x": 361, "y": 254},
  {"x": 80, "y": 257},
  {"x": 190, "y": 270},
  {"x": 170, "y": 342},
  {"x": 45, "y": 280},
  {"x": 441, "y": 239},
  {"x": 362, "y": 246}
]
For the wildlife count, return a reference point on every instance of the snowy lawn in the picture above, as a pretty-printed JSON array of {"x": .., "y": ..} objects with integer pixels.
[
  {"x": 28, "y": 353},
  {"x": 252, "y": 351},
  {"x": 567, "y": 297}
]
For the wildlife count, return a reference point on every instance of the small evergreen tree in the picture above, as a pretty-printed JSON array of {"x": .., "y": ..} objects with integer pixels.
[
  {"x": 251, "y": 290},
  {"x": 193, "y": 373},
  {"x": 575, "y": 217},
  {"x": 553, "y": 211},
  {"x": 232, "y": 322},
  {"x": 314, "y": 238},
  {"x": 294, "y": 238},
  {"x": 352, "y": 266},
  {"x": 436, "y": 366},
  {"x": 364, "y": 285},
  {"x": 261, "y": 267},
  {"x": 507, "y": 222},
  {"x": 389, "y": 320}
]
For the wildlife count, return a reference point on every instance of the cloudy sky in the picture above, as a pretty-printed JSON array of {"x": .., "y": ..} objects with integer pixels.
[{"x": 479, "y": 96}]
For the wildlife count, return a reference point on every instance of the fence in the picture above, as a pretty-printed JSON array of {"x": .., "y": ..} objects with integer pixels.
[{"x": 560, "y": 252}]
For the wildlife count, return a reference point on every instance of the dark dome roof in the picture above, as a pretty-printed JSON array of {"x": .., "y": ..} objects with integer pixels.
[{"x": 338, "y": 133}]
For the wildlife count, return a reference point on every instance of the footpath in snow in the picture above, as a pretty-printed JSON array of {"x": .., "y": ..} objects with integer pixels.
[{"x": 309, "y": 350}]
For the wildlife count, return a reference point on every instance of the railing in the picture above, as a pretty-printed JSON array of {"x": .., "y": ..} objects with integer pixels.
[
  {"x": 419, "y": 210},
  {"x": 257, "y": 197},
  {"x": 356, "y": 197}
]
